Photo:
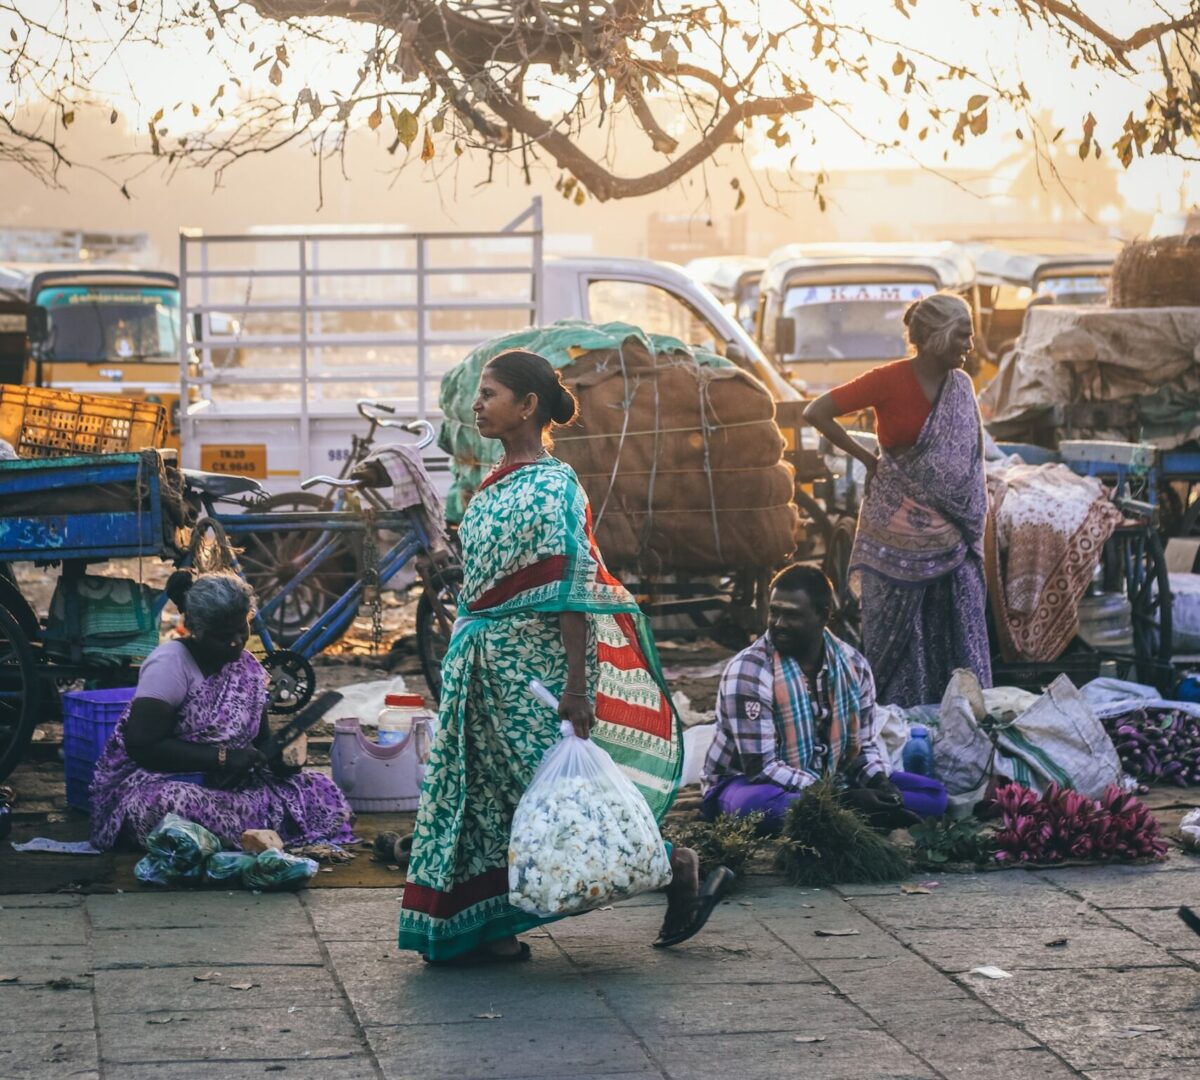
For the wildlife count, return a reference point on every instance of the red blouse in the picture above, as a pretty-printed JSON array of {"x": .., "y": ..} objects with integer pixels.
[{"x": 892, "y": 390}]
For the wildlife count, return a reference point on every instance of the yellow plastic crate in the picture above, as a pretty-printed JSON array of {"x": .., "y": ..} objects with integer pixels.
[{"x": 40, "y": 423}]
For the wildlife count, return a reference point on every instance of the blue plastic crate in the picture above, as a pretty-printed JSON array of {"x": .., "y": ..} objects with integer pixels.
[{"x": 89, "y": 719}]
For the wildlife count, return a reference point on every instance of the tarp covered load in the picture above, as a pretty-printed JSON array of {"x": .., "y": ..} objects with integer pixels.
[
  {"x": 677, "y": 449},
  {"x": 1131, "y": 374}
]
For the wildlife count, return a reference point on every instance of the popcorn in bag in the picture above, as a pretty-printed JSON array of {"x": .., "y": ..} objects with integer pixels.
[{"x": 582, "y": 835}]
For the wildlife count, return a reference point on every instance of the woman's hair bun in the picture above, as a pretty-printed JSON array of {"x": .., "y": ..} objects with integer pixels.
[
  {"x": 566, "y": 408},
  {"x": 177, "y": 587},
  {"x": 910, "y": 311}
]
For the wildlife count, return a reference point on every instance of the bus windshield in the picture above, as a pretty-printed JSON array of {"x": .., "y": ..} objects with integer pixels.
[
  {"x": 851, "y": 322},
  {"x": 109, "y": 324}
]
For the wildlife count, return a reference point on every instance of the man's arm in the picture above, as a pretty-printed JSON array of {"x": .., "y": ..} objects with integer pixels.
[
  {"x": 869, "y": 764},
  {"x": 745, "y": 710}
]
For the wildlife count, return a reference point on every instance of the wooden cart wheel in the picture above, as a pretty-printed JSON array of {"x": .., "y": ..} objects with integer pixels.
[
  {"x": 846, "y": 618},
  {"x": 270, "y": 560},
  {"x": 20, "y": 695}
]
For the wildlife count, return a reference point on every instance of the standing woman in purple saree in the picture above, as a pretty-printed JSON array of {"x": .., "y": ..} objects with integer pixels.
[{"x": 918, "y": 552}]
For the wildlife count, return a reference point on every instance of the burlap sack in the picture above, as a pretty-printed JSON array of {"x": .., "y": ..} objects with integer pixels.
[{"x": 682, "y": 464}]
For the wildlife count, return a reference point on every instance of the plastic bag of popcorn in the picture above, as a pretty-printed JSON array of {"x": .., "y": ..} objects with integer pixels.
[{"x": 582, "y": 835}]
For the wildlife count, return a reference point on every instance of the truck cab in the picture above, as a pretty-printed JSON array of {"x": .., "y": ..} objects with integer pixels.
[
  {"x": 830, "y": 312},
  {"x": 106, "y": 331},
  {"x": 662, "y": 298}
]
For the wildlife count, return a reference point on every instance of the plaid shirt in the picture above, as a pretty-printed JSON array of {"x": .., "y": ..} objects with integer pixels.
[{"x": 744, "y": 744}]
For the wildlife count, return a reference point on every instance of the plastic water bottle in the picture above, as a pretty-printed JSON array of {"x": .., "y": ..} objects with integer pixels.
[{"x": 918, "y": 751}]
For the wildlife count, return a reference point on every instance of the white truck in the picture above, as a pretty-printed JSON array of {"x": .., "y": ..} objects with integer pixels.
[{"x": 322, "y": 319}]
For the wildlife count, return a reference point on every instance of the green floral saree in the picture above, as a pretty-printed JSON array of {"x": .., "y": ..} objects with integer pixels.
[{"x": 529, "y": 554}]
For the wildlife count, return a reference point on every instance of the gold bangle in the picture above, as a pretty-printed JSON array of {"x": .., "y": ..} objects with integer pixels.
[{"x": 221, "y": 751}]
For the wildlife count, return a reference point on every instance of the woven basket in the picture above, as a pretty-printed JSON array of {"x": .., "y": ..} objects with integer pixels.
[{"x": 1157, "y": 273}]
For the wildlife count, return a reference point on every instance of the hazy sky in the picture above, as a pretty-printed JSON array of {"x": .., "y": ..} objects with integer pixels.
[{"x": 140, "y": 80}]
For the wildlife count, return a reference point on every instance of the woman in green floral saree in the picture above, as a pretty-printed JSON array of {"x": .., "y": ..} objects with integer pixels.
[{"x": 537, "y": 603}]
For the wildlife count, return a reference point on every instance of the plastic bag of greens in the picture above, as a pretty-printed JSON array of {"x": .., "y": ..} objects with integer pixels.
[
  {"x": 582, "y": 835},
  {"x": 228, "y": 866},
  {"x": 176, "y": 852},
  {"x": 150, "y": 870},
  {"x": 274, "y": 870}
]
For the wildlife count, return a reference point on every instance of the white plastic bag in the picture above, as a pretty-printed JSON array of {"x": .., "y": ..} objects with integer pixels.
[{"x": 582, "y": 835}]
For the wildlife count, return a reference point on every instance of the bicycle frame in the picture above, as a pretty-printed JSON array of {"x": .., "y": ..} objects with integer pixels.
[
  {"x": 335, "y": 620},
  {"x": 332, "y": 624}
]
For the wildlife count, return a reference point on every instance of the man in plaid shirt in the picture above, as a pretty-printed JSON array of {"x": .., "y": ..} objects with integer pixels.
[{"x": 797, "y": 705}]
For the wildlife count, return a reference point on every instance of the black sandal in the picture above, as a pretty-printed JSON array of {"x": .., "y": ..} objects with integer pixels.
[
  {"x": 482, "y": 957},
  {"x": 393, "y": 847},
  {"x": 715, "y": 886}
]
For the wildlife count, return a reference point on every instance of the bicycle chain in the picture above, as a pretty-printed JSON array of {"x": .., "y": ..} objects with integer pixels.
[{"x": 370, "y": 554}]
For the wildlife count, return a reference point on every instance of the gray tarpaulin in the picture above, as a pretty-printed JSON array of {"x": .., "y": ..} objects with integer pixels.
[{"x": 1147, "y": 359}]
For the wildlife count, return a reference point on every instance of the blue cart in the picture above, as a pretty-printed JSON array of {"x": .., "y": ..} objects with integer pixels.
[{"x": 73, "y": 512}]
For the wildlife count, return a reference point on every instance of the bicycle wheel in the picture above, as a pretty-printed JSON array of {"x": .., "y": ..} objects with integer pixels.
[
  {"x": 19, "y": 692},
  {"x": 434, "y": 621},
  {"x": 270, "y": 560}
]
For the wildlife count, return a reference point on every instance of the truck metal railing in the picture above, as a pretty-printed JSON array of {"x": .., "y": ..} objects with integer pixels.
[{"x": 297, "y": 315}]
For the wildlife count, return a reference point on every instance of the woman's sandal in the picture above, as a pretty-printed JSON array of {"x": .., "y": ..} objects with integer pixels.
[
  {"x": 678, "y": 930},
  {"x": 394, "y": 848},
  {"x": 482, "y": 957}
]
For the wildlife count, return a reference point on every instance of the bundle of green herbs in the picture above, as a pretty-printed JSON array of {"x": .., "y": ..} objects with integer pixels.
[
  {"x": 826, "y": 843},
  {"x": 943, "y": 840},
  {"x": 727, "y": 841}
]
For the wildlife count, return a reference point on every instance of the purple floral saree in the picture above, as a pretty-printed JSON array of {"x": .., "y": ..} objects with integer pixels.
[
  {"x": 918, "y": 556},
  {"x": 225, "y": 709}
]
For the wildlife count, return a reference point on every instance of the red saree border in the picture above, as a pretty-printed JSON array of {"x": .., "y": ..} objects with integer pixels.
[
  {"x": 528, "y": 577},
  {"x": 466, "y": 894}
]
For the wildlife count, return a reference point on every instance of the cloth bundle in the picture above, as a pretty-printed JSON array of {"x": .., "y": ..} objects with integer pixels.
[
  {"x": 582, "y": 835},
  {"x": 1049, "y": 531}
]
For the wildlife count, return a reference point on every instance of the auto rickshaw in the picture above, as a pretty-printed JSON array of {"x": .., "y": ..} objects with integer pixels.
[
  {"x": 1013, "y": 275},
  {"x": 830, "y": 312}
]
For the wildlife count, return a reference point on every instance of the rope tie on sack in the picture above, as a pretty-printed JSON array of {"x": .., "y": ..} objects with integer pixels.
[
  {"x": 648, "y": 528},
  {"x": 706, "y": 423},
  {"x": 627, "y": 404}
]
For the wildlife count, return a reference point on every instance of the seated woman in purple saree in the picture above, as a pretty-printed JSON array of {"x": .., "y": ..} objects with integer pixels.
[
  {"x": 200, "y": 707},
  {"x": 918, "y": 553}
]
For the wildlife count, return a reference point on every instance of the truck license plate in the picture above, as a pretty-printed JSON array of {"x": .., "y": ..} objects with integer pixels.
[{"x": 236, "y": 460}]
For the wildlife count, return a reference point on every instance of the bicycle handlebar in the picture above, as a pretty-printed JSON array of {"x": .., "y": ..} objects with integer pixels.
[
  {"x": 332, "y": 481},
  {"x": 363, "y": 405}
]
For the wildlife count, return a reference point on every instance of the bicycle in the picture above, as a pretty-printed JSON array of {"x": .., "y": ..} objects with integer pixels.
[
  {"x": 272, "y": 560},
  {"x": 329, "y": 535}
]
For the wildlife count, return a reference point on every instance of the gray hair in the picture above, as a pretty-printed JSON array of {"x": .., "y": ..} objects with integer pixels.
[
  {"x": 216, "y": 599},
  {"x": 932, "y": 321}
]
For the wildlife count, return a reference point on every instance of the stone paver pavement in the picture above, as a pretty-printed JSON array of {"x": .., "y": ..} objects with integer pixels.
[{"x": 1105, "y": 984}]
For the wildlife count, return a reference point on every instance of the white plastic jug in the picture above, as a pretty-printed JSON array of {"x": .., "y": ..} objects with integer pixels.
[
  {"x": 397, "y": 716},
  {"x": 380, "y": 778}
]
